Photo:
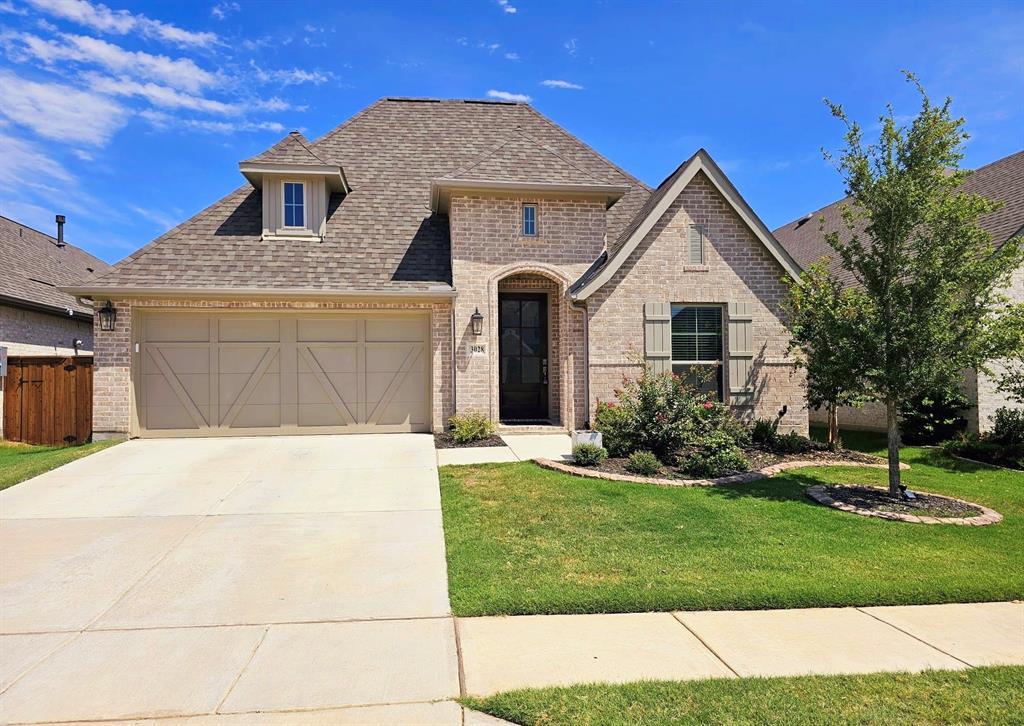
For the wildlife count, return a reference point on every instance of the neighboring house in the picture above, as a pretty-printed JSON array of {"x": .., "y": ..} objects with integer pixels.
[
  {"x": 1003, "y": 181},
  {"x": 37, "y": 318},
  {"x": 431, "y": 257}
]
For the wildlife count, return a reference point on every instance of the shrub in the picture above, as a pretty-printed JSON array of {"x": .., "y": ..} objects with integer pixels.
[
  {"x": 718, "y": 455},
  {"x": 588, "y": 454},
  {"x": 1008, "y": 426},
  {"x": 933, "y": 417},
  {"x": 610, "y": 420},
  {"x": 643, "y": 463},
  {"x": 792, "y": 443},
  {"x": 764, "y": 432},
  {"x": 468, "y": 427},
  {"x": 983, "y": 448}
]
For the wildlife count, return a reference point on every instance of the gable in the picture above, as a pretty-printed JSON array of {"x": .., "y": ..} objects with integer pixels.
[{"x": 661, "y": 201}]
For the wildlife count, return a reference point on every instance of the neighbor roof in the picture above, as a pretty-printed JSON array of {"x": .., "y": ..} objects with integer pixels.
[
  {"x": 382, "y": 235},
  {"x": 34, "y": 268},
  {"x": 1002, "y": 180}
]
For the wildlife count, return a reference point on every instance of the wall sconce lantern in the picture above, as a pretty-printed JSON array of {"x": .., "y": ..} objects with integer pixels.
[
  {"x": 477, "y": 321},
  {"x": 108, "y": 316}
]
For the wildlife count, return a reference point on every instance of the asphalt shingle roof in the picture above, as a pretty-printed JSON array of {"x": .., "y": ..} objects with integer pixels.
[
  {"x": 521, "y": 158},
  {"x": 292, "y": 149},
  {"x": 1002, "y": 180},
  {"x": 34, "y": 267},
  {"x": 382, "y": 235}
]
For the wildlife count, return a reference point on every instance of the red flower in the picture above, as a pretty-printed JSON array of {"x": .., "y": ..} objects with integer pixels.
[{"x": 708, "y": 405}]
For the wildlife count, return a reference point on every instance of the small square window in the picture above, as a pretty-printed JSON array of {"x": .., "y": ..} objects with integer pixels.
[
  {"x": 530, "y": 220},
  {"x": 294, "y": 204}
]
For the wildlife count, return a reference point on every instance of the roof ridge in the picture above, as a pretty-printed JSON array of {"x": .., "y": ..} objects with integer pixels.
[
  {"x": 480, "y": 159},
  {"x": 53, "y": 240},
  {"x": 548, "y": 149}
]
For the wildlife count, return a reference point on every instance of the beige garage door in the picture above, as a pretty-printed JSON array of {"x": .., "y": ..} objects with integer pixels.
[{"x": 244, "y": 374}]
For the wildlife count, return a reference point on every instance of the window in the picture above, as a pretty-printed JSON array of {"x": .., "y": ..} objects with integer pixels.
[
  {"x": 294, "y": 204},
  {"x": 530, "y": 220},
  {"x": 697, "y": 346},
  {"x": 696, "y": 244}
]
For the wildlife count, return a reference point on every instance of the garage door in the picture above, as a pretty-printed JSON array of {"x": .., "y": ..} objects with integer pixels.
[{"x": 244, "y": 374}]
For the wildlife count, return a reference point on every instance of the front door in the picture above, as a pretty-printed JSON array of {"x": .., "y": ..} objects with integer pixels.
[{"x": 523, "y": 349}]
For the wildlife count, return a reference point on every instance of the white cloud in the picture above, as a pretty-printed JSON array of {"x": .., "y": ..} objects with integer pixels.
[
  {"x": 508, "y": 7},
  {"x": 512, "y": 56},
  {"x": 155, "y": 216},
  {"x": 181, "y": 72},
  {"x": 156, "y": 94},
  {"x": 83, "y": 155},
  {"x": 8, "y": 7},
  {"x": 567, "y": 85},
  {"x": 163, "y": 121},
  {"x": 507, "y": 96},
  {"x": 222, "y": 9},
  {"x": 20, "y": 161},
  {"x": 122, "y": 22},
  {"x": 291, "y": 77},
  {"x": 570, "y": 46},
  {"x": 58, "y": 111}
]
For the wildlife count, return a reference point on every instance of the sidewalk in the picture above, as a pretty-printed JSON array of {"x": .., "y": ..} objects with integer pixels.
[
  {"x": 503, "y": 653},
  {"x": 518, "y": 447}
]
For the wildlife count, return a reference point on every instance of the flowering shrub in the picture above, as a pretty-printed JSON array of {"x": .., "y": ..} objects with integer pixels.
[{"x": 660, "y": 414}]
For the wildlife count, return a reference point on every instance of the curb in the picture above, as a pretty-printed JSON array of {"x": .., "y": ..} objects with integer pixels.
[
  {"x": 987, "y": 516},
  {"x": 743, "y": 478}
]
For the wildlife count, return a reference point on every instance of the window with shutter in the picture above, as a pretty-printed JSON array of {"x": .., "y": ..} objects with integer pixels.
[
  {"x": 658, "y": 336},
  {"x": 697, "y": 346},
  {"x": 741, "y": 354},
  {"x": 696, "y": 246}
]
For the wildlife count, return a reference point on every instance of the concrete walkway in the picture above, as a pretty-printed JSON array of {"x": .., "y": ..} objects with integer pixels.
[
  {"x": 168, "y": 578},
  {"x": 518, "y": 447},
  {"x": 502, "y": 653}
]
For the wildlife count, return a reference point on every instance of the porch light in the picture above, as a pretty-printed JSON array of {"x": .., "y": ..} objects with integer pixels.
[
  {"x": 108, "y": 315},
  {"x": 477, "y": 321}
]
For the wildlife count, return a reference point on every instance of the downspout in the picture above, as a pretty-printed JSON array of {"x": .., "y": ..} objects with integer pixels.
[{"x": 454, "y": 364}]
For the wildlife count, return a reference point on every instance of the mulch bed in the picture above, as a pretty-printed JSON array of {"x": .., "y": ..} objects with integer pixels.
[
  {"x": 758, "y": 459},
  {"x": 444, "y": 441},
  {"x": 879, "y": 500}
]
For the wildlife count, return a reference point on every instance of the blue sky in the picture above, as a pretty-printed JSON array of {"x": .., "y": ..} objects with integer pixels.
[{"x": 130, "y": 117}]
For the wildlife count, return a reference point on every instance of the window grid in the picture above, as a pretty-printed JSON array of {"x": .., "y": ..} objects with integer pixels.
[
  {"x": 697, "y": 346},
  {"x": 294, "y": 204},
  {"x": 530, "y": 220}
]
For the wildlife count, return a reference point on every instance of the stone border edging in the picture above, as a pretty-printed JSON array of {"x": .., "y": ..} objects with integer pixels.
[
  {"x": 983, "y": 463},
  {"x": 988, "y": 516},
  {"x": 743, "y": 478}
]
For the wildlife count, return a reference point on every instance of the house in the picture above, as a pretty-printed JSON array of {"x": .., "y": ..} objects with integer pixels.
[
  {"x": 38, "y": 320},
  {"x": 1003, "y": 181},
  {"x": 430, "y": 257}
]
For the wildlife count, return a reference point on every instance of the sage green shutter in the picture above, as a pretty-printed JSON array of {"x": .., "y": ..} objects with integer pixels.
[
  {"x": 696, "y": 256},
  {"x": 658, "y": 336},
  {"x": 741, "y": 354}
]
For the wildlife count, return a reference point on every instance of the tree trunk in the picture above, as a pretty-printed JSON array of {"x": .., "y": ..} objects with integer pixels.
[
  {"x": 893, "y": 427},
  {"x": 833, "y": 425}
]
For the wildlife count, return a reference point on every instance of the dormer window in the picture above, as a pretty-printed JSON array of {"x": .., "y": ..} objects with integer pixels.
[
  {"x": 294, "y": 204},
  {"x": 529, "y": 220}
]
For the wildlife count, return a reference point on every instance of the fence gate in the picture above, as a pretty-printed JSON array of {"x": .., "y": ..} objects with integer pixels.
[{"x": 48, "y": 400}]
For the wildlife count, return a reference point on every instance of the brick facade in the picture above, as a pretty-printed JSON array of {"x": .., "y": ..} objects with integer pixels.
[
  {"x": 738, "y": 268},
  {"x": 488, "y": 253},
  {"x": 113, "y": 392}
]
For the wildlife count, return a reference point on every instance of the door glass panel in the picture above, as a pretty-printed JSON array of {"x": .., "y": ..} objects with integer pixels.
[
  {"x": 510, "y": 341},
  {"x": 531, "y": 370},
  {"x": 510, "y": 370},
  {"x": 531, "y": 341},
  {"x": 509, "y": 313},
  {"x": 531, "y": 313}
]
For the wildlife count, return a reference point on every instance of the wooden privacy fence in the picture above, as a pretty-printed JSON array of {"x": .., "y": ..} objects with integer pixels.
[{"x": 48, "y": 400}]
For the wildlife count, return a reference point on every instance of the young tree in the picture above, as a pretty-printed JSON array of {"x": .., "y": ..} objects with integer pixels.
[
  {"x": 824, "y": 320},
  {"x": 927, "y": 271}
]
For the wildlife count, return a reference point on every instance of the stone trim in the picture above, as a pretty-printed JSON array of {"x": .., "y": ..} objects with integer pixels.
[
  {"x": 743, "y": 478},
  {"x": 987, "y": 516},
  {"x": 983, "y": 463}
]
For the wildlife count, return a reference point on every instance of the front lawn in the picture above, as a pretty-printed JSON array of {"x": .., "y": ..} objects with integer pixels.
[
  {"x": 522, "y": 539},
  {"x": 977, "y": 696},
  {"x": 19, "y": 462}
]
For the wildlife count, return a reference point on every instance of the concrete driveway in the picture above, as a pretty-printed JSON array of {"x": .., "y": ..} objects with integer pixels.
[{"x": 229, "y": 576}]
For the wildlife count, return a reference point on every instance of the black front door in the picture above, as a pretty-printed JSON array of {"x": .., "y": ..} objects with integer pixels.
[{"x": 523, "y": 348}]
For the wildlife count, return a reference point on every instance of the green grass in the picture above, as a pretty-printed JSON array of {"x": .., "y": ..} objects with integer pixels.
[
  {"x": 19, "y": 462},
  {"x": 522, "y": 539},
  {"x": 978, "y": 696}
]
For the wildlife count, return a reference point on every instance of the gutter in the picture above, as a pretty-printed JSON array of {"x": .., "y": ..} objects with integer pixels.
[
  {"x": 63, "y": 311},
  {"x": 441, "y": 291}
]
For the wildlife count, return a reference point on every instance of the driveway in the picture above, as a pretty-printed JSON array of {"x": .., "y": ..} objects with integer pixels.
[{"x": 229, "y": 576}]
